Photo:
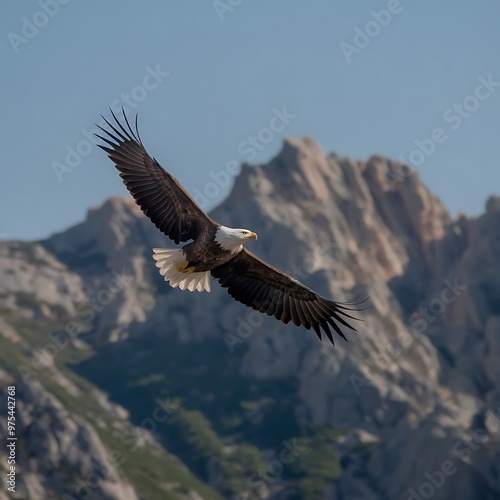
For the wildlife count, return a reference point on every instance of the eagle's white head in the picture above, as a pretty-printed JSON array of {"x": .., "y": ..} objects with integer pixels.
[{"x": 232, "y": 239}]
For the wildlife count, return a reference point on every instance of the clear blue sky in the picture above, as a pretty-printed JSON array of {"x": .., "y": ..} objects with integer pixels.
[{"x": 225, "y": 79}]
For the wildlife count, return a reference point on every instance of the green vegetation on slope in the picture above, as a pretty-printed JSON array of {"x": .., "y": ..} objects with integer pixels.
[
  {"x": 154, "y": 473},
  {"x": 221, "y": 420}
]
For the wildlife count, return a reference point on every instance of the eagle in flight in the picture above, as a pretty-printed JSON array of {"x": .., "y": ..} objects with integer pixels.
[{"x": 215, "y": 249}]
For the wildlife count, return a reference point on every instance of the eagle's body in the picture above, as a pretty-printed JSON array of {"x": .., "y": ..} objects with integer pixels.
[
  {"x": 189, "y": 268},
  {"x": 215, "y": 250},
  {"x": 215, "y": 247}
]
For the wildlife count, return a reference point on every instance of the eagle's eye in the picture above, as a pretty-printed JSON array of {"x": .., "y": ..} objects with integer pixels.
[{"x": 245, "y": 232}]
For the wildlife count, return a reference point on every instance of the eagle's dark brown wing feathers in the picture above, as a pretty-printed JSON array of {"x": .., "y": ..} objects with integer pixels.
[
  {"x": 157, "y": 192},
  {"x": 261, "y": 286},
  {"x": 248, "y": 279}
]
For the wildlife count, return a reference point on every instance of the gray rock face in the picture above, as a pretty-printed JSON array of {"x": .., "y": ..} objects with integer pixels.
[
  {"x": 58, "y": 454},
  {"x": 418, "y": 386},
  {"x": 28, "y": 271}
]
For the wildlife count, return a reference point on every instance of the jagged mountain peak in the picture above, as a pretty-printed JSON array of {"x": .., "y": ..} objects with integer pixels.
[
  {"x": 418, "y": 376},
  {"x": 493, "y": 205}
]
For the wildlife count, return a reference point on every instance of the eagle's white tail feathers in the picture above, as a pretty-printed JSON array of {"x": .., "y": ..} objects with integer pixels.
[{"x": 168, "y": 261}]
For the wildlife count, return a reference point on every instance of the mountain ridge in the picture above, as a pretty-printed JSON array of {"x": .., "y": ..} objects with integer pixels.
[{"x": 417, "y": 378}]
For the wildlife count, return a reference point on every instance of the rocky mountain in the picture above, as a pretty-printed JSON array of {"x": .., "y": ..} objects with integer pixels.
[{"x": 201, "y": 397}]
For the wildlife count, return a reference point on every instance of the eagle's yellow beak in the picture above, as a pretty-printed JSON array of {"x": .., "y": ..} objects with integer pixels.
[{"x": 252, "y": 236}]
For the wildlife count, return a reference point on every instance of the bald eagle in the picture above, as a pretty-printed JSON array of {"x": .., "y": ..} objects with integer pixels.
[{"x": 215, "y": 249}]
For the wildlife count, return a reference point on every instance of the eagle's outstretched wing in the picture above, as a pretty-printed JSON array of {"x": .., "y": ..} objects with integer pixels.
[
  {"x": 261, "y": 286},
  {"x": 158, "y": 193}
]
